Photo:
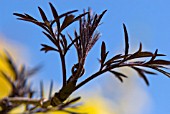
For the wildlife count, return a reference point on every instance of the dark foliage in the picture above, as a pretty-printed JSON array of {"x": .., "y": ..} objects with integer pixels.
[{"x": 83, "y": 41}]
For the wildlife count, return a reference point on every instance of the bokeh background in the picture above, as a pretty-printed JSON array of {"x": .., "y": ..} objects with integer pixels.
[{"x": 146, "y": 21}]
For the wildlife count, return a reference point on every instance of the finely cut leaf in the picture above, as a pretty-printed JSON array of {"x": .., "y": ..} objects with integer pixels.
[
  {"x": 12, "y": 65},
  {"x": 160, "y": 70},
  {"x": 55, "y": 15},
  {"x": 103, "y": 50},
  {"x": 30, "y": 17},
  {"x": 118, "y": 75},
  {"x": 67, "y": 21},
  {"x": 50, "y": 37},
  {"x": 47, "y": 48},
  {"x": 161, "y": 62},
  {"x": 43, "y": 15},
  {"x": 126, "y": 40},
  {"x": 142, "y": 75}
]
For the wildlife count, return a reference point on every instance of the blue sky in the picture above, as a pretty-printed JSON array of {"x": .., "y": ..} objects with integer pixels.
[{"x": 147, "y": 21}]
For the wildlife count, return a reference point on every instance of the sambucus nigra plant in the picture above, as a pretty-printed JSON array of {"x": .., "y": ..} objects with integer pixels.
[{"x": 83, "y": 41}]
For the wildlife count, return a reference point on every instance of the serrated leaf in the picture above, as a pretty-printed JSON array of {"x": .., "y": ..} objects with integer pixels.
[{"x": 126, "y": 40}]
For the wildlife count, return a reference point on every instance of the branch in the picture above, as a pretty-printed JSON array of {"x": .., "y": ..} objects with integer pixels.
[{"x": 28, "y": 101}]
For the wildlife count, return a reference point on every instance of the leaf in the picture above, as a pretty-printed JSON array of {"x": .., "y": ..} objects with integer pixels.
[
  {"x": 160, "y": 55},
  {"x": 101, "y": 15},
  {"x": 161, "y": 62},
  {"x": 69, "y": 102},
  {"x": 103, "y": 54},
  {"x": 19, "y": 15},
  {"x": 67, "y": 13},
  {"x": 103, "y": 50},
  {"x": 149, "y": 72},
  {"x": 11, "y": 65},
  {"x": 43, "y": 15},
  {"x": 116, "y": 57},
  {"x": 160, "y": 70},
  {"x": 33, "y": 71},
  {"x": 144, "y": 54},
  {"x": 140, "y": 55},
  {"x": 142, "y": 75},
  {"x": 154, "y": 56},
  {"x": 67, "y": 21},
  {"x": 118, "y": 75},
  {"x": 140, "y": 47},
  {"x": 55, "y": 15},
  {"x": 30, "y": 17},
  {"x": 47, "y": 48},
  {"x": 126, "y": 40},
  {"x": 96, "y": 21},
  {"x": 50, "y": 37},
  {"x": 72, "y": 42},
  {"x": 78, "y": 17},
  {"x": 22, "y": 72},
  {"x": 8, "y": 79},
  {"x": 64, "y": 41}
]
